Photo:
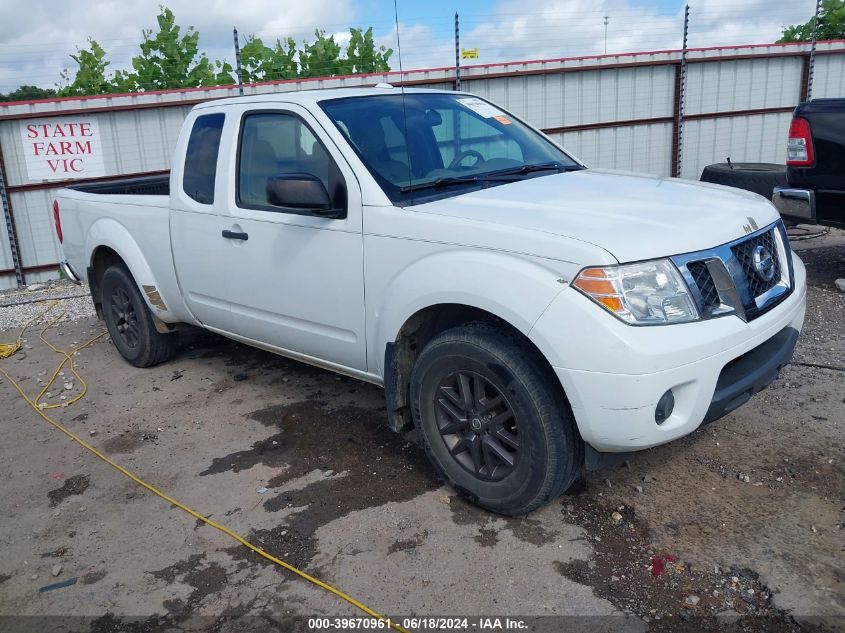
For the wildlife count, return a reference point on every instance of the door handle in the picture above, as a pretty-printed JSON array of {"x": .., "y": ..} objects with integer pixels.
[{"x": 235, "y": 235}]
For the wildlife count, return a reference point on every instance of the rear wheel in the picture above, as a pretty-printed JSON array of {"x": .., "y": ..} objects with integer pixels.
[
  {"x": 495, "y": 425},
  {"x": 130, "y": 322}
]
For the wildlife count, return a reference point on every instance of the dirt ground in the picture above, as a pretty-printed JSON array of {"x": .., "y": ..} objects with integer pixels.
[{"x": 736, "y": 527}]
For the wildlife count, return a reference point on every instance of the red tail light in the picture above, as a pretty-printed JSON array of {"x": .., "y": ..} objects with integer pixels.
[
  {"x": 799, "y": 147},
  {"x": 57, "y": 221}
]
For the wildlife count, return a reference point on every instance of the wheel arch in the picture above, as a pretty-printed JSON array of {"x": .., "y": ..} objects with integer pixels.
[
  {"x": 418, "y": 329},
  {"x": 512, "y": 287},
  {"x": 449, "y": 287},
  {"x": 110, "y": 243},
  {"x": 102, "y": 258}
]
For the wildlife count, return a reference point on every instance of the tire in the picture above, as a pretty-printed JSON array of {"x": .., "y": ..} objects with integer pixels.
[
  {"x": 518, "y": 447},
  {"x": 130, "y": 322},
  {"x": 760, "y": 178}
]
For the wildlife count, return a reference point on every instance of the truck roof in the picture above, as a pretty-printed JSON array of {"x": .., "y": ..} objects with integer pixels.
[{"x": 313, "y": 96}]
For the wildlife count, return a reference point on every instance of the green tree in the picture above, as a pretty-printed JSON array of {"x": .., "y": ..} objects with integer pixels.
[
  {"x": 262, "y": 63},
  {"x": 90, "y": 77},
  {"x": 170, "y": 59},
  {"x": 362, "y": 55},
  {"x": 28, "y": 93},
  {"x": 831, "y": 24},
  {"x": 322, "y": 57}
]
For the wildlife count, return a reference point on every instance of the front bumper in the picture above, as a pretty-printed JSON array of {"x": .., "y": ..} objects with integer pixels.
[
  {"x": 795, "y": 203},
  {"x": 751, "y": 373},
  {"x": 614, "y": 374}
]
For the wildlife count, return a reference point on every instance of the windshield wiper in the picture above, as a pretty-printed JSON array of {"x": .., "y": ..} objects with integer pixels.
[
  {"x": 493, "y": 176},
  {"x": 528, "y": 169},
  {"x": 440, "y": 183}
]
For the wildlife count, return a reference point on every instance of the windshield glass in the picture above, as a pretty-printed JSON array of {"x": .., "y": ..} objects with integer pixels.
[{"x": 441, "y": 144}]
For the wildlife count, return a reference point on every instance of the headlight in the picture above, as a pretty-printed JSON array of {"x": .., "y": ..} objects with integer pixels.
[{"x": 647, "y": 293}]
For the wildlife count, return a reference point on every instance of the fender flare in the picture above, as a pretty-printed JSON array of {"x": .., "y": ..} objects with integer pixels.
[
  {"x": 522, "y": 288},
  {"x": 109, "y": 233}
]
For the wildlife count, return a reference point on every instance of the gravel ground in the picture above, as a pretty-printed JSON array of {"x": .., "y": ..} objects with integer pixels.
[{"x": 19, "y": 306}]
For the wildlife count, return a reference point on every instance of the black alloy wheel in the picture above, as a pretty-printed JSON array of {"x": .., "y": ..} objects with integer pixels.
[
  {"x": 478, "y": 426},
  {"x": 493, "y": 418},
  {"x": 125, "y": 319},
  {"x": 131, "y": 325}
]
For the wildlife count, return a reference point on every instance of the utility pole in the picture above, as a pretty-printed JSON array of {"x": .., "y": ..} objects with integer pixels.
[
  {"x": 457, "y": 54},
  {"x": 238, "y": 70},
  {"x": 812, "y": 61},
  {"x": 680, "y": 98},
  {"x": 10, "y": 228},
  {"x": 606, "y": 18}
]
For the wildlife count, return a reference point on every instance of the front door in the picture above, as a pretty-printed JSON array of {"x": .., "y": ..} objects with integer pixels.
[
  {"x": 293, "y": 280},
  {"x": 278, "y": 276}
]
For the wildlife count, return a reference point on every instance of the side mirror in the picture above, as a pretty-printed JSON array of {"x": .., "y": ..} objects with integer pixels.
[{"x": 301, "y": 191}]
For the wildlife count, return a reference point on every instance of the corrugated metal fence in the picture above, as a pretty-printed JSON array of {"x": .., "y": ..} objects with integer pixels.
[{"x": 615, "y": 111}]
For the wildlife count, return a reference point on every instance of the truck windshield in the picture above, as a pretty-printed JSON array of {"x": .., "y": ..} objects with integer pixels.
[{"x": 435, "y": 145}]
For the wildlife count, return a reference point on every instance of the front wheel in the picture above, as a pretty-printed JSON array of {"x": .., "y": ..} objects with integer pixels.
[
  {"x": 130, "y": 322},
  {"x": 494, "y": 424}
]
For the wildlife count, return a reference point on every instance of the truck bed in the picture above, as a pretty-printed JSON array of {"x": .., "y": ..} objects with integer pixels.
[
  {"x": 138, "y": 186},
  {"x": 130, "y": 216}
]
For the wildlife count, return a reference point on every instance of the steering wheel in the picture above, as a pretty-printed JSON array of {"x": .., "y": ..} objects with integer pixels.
[{"x": 467, "y": 152}]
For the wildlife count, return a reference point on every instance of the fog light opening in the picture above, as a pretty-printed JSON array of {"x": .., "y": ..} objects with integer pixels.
[{"x": 665, "y": 406}]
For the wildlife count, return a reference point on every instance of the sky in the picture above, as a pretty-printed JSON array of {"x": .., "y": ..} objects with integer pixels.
[{"x": 38, "y": 36}]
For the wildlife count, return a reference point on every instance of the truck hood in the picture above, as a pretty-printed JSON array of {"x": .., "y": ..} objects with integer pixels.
[{"x": 632, "y": 216}]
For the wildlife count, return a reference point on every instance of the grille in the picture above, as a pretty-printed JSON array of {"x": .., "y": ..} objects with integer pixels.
[
  {"x": 701, "y": 276},
  {"x": 744, "y": 253}
]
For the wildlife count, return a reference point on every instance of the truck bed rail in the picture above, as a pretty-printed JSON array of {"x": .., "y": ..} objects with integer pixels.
[{"x": 139, "y": 186}]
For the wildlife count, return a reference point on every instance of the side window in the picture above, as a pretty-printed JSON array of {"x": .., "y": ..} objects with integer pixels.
[
  {"x": 273, "y": 144},
  {"x": 201, "y": 158}
]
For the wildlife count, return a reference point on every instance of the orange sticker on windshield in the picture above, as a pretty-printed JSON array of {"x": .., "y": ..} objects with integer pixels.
[{"x": 503, "y": 120}]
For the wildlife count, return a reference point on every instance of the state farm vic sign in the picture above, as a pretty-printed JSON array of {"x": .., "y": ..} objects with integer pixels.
[{"x": 61, "y": 148}]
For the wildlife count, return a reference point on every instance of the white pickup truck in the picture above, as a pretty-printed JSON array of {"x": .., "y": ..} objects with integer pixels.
[{"x": 527, "y": 315}]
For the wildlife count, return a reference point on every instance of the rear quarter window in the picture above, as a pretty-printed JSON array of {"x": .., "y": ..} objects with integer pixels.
[{"x": 201, "y": 158}]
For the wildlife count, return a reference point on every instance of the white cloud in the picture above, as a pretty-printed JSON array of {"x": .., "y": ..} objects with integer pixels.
[
  {"x": 527, "y": 29},
  {"x": 421, "y": 47}
]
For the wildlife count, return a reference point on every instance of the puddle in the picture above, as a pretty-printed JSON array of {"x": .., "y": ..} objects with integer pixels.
[
  {"x": 527, "y": 530},
  {"x": 403, "y": 545},
  {"x": 129, "y": 441},
  {"x": 75, "y": 485},
  {"x": 487, "y": 537},
  {"x": 206, "y": 579},
  {"x": 379, "y": 466}
]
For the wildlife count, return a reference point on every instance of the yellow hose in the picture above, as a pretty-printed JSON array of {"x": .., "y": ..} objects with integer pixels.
[
  {"x": 10, "y": 349},
  {"x": 39, "y": 409}
]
